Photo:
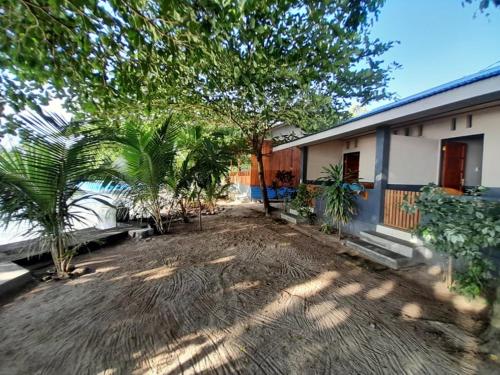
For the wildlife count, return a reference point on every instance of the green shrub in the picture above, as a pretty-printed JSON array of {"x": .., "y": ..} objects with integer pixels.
[
  {"x": 461, "y": 227},
  {"x": 302, "y": 202}
]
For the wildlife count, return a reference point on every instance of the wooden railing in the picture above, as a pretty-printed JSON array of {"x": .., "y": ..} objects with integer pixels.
[
  {"x": 394, "y": 215},
  {"x": 240, "y": 177}
]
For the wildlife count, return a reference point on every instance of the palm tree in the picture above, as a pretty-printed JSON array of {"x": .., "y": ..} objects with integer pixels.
[
  {"x": 146, "y": 161},
  {"x": 40, "y": 176},
  {"x": 204, "y": 169}
]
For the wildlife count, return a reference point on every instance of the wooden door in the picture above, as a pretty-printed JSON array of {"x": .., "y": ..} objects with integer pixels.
[
  {"x": 453, "y": 165},
  {"x": 351, "y": 166}
]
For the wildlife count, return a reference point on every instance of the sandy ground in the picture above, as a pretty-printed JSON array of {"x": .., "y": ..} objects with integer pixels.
[{"x": 248, "y": 295}]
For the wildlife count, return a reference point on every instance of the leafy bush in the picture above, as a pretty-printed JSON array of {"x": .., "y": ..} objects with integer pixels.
[
  {"x": 302, "y": 202},
  {"x": 462, "y": 227}
]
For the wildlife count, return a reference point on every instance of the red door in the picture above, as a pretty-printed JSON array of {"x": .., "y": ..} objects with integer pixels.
[
  {"x": 351, "y": 167},
  {"x": 453, "y": 165}
]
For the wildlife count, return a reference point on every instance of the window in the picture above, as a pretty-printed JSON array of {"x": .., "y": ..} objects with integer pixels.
[
  {"x": 351, "y": 166},
  {"x": 395, "y": 132},
  {"x": 348, "y": 145},
  {"x": 420, "y": 130},
  {"x": 469, "y": 121},
  {"x": 355, "y": 142},
  {"x": 407, "y": 132},
  {"x": 453, "y": 126}
]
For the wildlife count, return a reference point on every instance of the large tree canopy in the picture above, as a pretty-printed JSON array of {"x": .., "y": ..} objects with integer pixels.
[
  {"x": 290, "y": 60},
  {"x": 252, "y": 63},
  {"x": 110, "y": 54},
  {"x": 99, "y": 54},
  {"x": 297, "y": 61}
]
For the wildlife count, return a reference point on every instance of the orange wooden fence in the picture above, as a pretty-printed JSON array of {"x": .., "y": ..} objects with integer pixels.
[
  {"x": 394, "y": 215},
  {"x": 284, "y": 160},
  {"x": 240, "y": 177}
]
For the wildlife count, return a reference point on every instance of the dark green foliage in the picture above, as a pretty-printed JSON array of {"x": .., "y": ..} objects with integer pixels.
[
  {"x": 303, "y": 201},
  {"x": 461, "y": 227},
  {"x": 203, "y": 171},
  {"x": 340, "y": 198},
  {"x": 102, "y": 55}
]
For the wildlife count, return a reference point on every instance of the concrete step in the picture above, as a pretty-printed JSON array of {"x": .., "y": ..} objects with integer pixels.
[
  {"x": 378, "y": 254},
  {"x": 296, "y": 213},
  {"x": 389, "y": 242},
  {"x": 12, "y": 277},
  {"x": 291, "y": 218}
]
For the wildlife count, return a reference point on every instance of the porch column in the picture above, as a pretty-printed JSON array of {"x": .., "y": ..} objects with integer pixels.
[
  {"x": 383, "y": 140},
  {"x": 303, "y": 164}
]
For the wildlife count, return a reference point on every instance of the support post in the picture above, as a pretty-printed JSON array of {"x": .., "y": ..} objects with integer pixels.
[
  {"x": 383, "y": 141},
  {"x": 303, "y": 164}
]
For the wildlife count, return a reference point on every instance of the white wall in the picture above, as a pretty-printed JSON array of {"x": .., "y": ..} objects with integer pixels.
[
  {"x": 474, "y": 162},
  {"x": 485, "y": 122},
  {"x": 331, "y": 152},
  {"x": 321, "y": 155},
  {"x": 16, "y": 231},
  {"x": 413, "y": 160},
  {"x": 366, "y": 145},
  {"x": 409, "y": 155}
]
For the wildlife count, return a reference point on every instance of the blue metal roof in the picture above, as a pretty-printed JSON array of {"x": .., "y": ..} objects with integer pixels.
[{"x": 479, "y": 76}]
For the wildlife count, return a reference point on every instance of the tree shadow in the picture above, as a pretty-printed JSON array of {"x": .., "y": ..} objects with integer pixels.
[{"x": 243, "y": 296}]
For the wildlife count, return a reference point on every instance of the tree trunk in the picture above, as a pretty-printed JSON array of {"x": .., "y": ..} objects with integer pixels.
[
  {"x": 185, "y": 218},
  {"x": 199, "y": 212},
  {"x": 160, "y": 221},
  {"x": 263, "y": 188},
  {"x": 449, "y": 276},
  {"x": 54, "y": 252}
]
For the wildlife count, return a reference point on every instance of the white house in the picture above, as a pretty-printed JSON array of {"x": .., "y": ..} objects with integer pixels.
[{"x": 448, "y": 135}]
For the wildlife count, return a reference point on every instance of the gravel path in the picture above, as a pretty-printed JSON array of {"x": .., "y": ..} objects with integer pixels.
[{"x": 248, "y": 295}]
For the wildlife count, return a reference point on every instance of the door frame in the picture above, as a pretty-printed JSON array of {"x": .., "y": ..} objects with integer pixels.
[{"x": 443, "y": 141}]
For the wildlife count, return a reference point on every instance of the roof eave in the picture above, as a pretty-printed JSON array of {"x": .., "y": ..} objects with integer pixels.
[{"x": 460, "y": 97}]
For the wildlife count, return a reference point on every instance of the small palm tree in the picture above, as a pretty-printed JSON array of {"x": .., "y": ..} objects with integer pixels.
[
  {"x": 340, "y": 199},
  {"x": 203, "y": 171},
  {"x": 146, "y": 161},
  {"x": 40, "y": 176}
]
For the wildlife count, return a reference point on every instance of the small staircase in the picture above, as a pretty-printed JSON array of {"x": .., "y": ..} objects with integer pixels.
[{"x": 384, "y": 249}]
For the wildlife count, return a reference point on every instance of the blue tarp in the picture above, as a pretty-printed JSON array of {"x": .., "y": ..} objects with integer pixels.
[{"x": 280, "y": 193}]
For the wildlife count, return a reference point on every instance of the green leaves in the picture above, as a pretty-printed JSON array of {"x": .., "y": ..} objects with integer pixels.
[
  {"x": 40, "y": 176},
  {"x": 462, "y": 227},
  {"x": 340, "y": 198},
  {"x": 146, "y": 161}
]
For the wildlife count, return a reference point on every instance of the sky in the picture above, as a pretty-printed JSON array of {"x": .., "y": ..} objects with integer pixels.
[{"x": 440, "y": 41}]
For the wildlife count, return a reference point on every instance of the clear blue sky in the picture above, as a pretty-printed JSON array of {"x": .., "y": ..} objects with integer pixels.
[{"x": 439, "y": 41}]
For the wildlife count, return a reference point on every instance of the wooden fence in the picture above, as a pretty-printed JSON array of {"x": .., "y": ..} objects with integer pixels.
[
  {"x": 394, "y": 215},
  {"x": 240, "y": 177},
  {"x": 284, "y": 160}
]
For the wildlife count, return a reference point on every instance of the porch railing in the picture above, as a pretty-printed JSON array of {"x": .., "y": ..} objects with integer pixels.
[{"x": 394, "y": 216}]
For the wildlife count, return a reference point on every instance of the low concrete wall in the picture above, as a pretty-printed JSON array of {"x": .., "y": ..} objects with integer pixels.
[{"x": 17, "y": 231}]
